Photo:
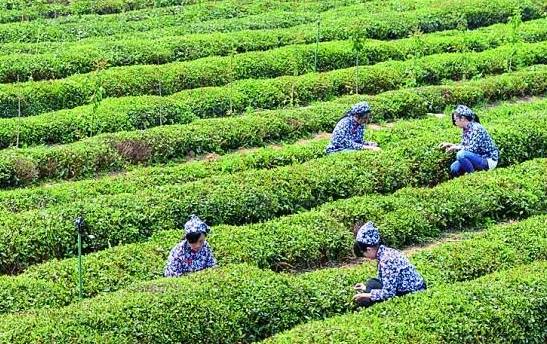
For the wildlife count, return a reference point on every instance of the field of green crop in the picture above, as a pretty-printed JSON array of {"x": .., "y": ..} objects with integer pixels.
[{"x": 136, "y": 114}]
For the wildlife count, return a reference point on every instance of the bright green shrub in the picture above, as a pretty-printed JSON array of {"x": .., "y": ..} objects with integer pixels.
[
  {"x": 111, "y": 152},
  {"x": 507, "y": 306},
  {"x": 130, "y": 113},
  {"x": 43, "y": 96},
  {"x": 248, "y": 299}
]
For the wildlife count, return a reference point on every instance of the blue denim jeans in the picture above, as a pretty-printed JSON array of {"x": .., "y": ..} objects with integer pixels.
[{"x": 467, "y": 162}]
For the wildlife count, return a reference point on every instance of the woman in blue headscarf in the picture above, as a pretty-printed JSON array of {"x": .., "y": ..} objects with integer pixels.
[
  {"x": 350, "y": 130},
  {"x": 193, "y": 253},
  {"x": 396, "y": 276},
  {"x": 477, "y": 151}
]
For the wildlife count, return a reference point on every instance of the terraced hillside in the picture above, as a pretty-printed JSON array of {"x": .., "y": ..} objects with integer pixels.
[{"x": 136, "y": 114}]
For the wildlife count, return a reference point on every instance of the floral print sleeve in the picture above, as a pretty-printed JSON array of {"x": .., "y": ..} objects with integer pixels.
[
  {"x": 210, "y": 260},
  {"x": 389, "y": 282},
  {"x": 348, "y": 134},
  {"x": 174, "y": 266},
  {"x": 398, "y": 276},
  {"x": 183, "y": 260},
  {"x": 476, "y": 139}
]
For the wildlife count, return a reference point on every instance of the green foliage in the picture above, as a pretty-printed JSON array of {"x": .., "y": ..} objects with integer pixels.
[
  {"x": 111, "y": 152},
  {"x": 43, "y": 96},
  {"x": 213, "y": 16},
  {"x": 129, "y": 113},
  {"x": 253, "y": 304},
  {"x": 507, "y": 306},
  {"x": 13, "y": 10},
  {"x": 269, "y": 215},
  {"x": 305, "y": 240},
  {"x": 229, "y": 16}
]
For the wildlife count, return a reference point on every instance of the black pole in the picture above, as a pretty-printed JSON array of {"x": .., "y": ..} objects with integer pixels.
[{"x": 80, "y": 225}]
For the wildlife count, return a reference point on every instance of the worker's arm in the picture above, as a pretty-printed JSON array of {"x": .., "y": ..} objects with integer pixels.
[{"x": 389, "y": 283}]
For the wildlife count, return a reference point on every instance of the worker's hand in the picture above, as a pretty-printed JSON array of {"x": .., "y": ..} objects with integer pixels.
[
  {"x": 361, "y": 297},
  {"x": 373, "y": 148},
  {"x": 359, "y": 287},
  {"x": 452, "y": 148},
  {"x": 445, "y": 145}
]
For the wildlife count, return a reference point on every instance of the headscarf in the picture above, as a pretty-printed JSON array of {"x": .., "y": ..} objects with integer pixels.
[
  {"x": 464, "y": 111},
  {"x": 196, "y": 225},
  {"x": 368, "y": 234},
  {"x": 360, "y": 109}
]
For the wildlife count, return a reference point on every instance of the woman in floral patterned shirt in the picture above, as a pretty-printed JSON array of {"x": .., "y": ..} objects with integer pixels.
[
  {"x": 396, "y": 276},
  {"x": 477, "y": 151},
  {"x": 193, "y": 253},
  {"x": 348, "y": 133}
]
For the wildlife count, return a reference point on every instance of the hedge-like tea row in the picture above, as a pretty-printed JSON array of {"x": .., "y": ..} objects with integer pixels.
[
  {"x": 111, "y": 152},
  {"x": 17, "y": 200},
  {"x": 202, "y": 18},
  {"x": 33, "y": 98},
  {"x": 316, "y": 237},
  {"x": 507, "y": 306},
  {"x": 174, "y": 19},
  {"x": 18, "y": 10},
  {"x": 429, "y": 16},
  {"x": 32, "y": 237},
  {"x": 131, "y": 113},
  {"x": 334, "y": 26},
  {"x": 38, "y": 197},
  {"x": 24, "y": 10},
  {"x": 82, "y": 58},
  {"x": 226, "y": 16},
  {"x": 247, "y": 304}
]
